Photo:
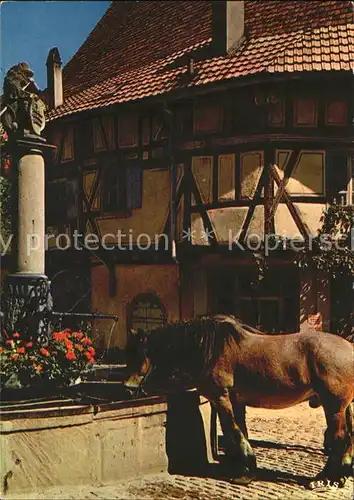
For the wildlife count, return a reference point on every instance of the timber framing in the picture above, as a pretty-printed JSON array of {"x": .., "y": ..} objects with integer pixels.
[{"x": 154, "y": 153}]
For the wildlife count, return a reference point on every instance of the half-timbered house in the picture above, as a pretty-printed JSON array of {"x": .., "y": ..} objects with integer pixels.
[{"x": 187, "y": 132}]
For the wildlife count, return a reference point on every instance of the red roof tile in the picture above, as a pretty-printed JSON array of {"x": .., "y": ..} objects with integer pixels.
[{"x": 282, "y": 36}]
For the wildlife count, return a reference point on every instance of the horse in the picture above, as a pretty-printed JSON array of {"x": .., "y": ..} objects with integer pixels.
[{"x": 235, "y": 366}]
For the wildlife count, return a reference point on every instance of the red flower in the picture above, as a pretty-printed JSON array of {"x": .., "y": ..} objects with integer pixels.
[
  {"x": 86, "y": 341},
  {"x": 91, "y": 350},
  {"x": 15, "y": 357},
  {"x": 21, "y": 350},
  {"x": 44, "y": 352},
  {"x": 70, "y": 355},
  {"x": 29, "y": 344},
  {"x": 89, "y": 356},
  {"x": 78, "y": 335},
  {"x": 9, "y": 342},
  {"x": 69, "y": 345},
  {"x": 38, "y": 368},
  {"x": 59, "y": 336},
  {"x": 79, "y": 347},
  {"x": 16, "y": 335}
]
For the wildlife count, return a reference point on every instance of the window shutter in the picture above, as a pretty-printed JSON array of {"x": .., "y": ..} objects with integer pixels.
[
  {"x": 72, "y": 198},
  {"x": 134, "y": 177}
]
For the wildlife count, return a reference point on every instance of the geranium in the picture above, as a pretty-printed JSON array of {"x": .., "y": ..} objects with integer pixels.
[
  {"x": 16, "y": 335},
  {"x": 68, "y": 344},
  {"x": 61, "y": 336},
  {"x": 65, "y": 357},
  {"x": 70, "y": 355}
]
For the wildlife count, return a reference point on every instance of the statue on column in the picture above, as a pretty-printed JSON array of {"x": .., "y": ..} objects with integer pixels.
[{"x": 23, "y": 112}]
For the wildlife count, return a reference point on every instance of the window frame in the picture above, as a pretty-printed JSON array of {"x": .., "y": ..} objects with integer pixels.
[
  {"x": 118, "y": 206},
  {"x": 153, "y": 297}
]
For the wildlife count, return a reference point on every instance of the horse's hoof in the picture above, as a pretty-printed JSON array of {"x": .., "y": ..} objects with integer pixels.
[{"x": 242, "y": 480}]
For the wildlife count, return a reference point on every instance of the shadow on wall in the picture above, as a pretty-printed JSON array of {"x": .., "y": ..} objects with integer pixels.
[{"x": 186, "y": 445}]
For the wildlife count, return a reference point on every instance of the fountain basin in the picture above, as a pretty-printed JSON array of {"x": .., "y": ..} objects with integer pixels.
[{"x": 57, "y": 442}]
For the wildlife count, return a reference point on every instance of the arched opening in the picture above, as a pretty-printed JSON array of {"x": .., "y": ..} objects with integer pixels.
[{"x": 147, "y": 312}]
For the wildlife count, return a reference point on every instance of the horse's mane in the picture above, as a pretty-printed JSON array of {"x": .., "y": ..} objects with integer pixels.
[{"x": 203, "y": 338}]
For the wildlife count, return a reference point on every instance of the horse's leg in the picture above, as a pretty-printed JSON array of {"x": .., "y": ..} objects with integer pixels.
[
  {"x": 239, "y": 410},
  {"x": 348, "y": 457},
  {"x": 340, "y": 456},
  {"x": 327, "y": 434},
  {"x": 237, "y": 445}
]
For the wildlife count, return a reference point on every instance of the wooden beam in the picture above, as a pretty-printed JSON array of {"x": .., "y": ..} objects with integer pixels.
[
  {"x": 268, "y": 195},
  {"x": 294, "y": 157},
  {"x": 253, "y": 203},
  {"x": 103, "y": 130},
  {"x": 301, "y": 225}
]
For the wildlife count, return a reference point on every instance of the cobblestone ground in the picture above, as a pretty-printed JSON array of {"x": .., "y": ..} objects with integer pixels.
[{"x": 288, "y": 446}]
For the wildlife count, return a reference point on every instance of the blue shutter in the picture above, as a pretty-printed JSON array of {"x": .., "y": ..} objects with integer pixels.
[{"x": 134, "y": 177}]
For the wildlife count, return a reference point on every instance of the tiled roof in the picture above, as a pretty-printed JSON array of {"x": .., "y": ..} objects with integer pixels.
[{"x": 282, "y": 36}]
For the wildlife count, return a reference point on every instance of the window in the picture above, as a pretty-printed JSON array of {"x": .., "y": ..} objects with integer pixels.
[
  {"x": 127, "y": 131},
  {"x": 340, "y": 178},
  {"x": 123, "y": 188},
  {"x": 271, "y": 305},
  {"x": 251, "y": 169},
  {"x": 308, "y": 176},
  {"x": 226, "y": 177},
  {"x": 103, "y": 133},
  {"x": 202, "y": 169},
  {"x": 276, "y": 116},
  {"x": 114, "y": 192},
  {"x": 63, "y": 139},
  {"x": 305, "y": 113},
  {"x": 160, "y": 127},
  {"x": 207, "y": 119},
  {"x": 336, "y": 113},
  {"x": 147, "y": 312}
]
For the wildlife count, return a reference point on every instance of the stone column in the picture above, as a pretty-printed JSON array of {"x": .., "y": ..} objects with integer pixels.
[
  {"x": 31, "y": 210},
  {"x": 28, "y": 288}
]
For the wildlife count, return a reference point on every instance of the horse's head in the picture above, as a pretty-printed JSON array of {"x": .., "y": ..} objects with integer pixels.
[{"x": 138, "y": 363}]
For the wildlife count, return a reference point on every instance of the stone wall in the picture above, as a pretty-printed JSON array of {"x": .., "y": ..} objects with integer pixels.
[{"x": 76, "y": 445}]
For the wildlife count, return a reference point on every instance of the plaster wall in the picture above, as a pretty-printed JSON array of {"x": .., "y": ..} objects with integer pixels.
[{"x": 131, "y": 280}]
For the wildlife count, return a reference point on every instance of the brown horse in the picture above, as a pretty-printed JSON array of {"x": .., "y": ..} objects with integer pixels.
[{"x": 234, "y": 366}]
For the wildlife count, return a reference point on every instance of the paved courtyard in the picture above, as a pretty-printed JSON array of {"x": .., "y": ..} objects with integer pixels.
[{"x": 288, "y": 444}]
